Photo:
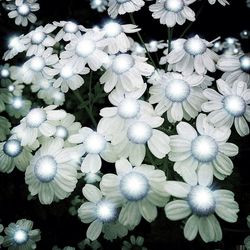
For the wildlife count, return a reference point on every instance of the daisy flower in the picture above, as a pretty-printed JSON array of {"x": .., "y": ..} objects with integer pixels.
[
  {"x": 135, "y": 242},
  {"x": 229, "y": 106},
  {"x": 154, "y": 46},
  {"x": 171, "y": 12},
  {"x": 117, "y": 40},
  {"x": 22, "y": 11},
  {"x": 202, "y": 153},
  {"x": 95, "y": 147},
  {"x": 18, "y": 107},
  {"x": 99, "y": 5},
  {"x": 126, "y": 70},
  {"x": 5, "y": 75},
  {"x": 181, "y": 96},
  {"x": 20, "y": 235},
  {"x": 87, "y": 243},
  {"x": 68, "y": 30},
  {"x": 100, "y": 211},
  {"x": 4, "y": 128},
  {"x": 200, "y": 203},
  {"x": 52, "y": 173},
  {"x": 236, "y": 67},
  {"x": 86, "y": 49},
  {"x": 139, "y": 190},
  {"x": 191, "y": 55},
  {"x": 222, "y": 2},
  {"x": 37, "y": 67},
  {"x": 120, "y": 7},
  {"x": 39, "y": 121}
]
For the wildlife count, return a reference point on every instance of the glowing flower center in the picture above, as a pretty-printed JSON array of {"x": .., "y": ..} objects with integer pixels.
[
  {"x": 66, "y": 72},
  {"x": 105, "y": 211},
  {"x": 70, "y": 27},
  {"x": 36, "y": 117},
  {"x": 97, "y": 2},
  {"x": 204, "y": 148},
  {"x": 122, "y": 1},
  {"x": 123, "y": 63},
  {"x": 37, "y": 63},
  {"x": 85, "y": 47},
  {"x": 134, "y": 186},
  {"x": 139, "y": 132},
  {"x": 23, "y": 9},
  {"x": 45, "y": 169},
  {"x": 245, "y": 63},
  {"x": 45, "y": 84},
  {"x": 128, "y": 108},
  {"x": 17, "y": 102},
  {"x": 235, "y": 105},
  {"x": 14, "y": 43},
  {"x": 12, "y": 148},
  {"x": 153, "y": 45},
  {"x": 58, "y": 96},
  {"x": 5, "y": 73},
  {"x": 11, "y": 88},
  {"x": 91, "y": 177},
  {"x": 201, "y": 201},
  {"x": 174, "y": 5},
  {"x": 177, "y": 90},
  {"x": 112, "y": 29},
  {"x": 95, "y": 143},
  {"x": 20, "y": 237},
  {"x": 195, "y": 46},
  {"x": 61, "y": 132},
  {"x": 38, "y": 37}
]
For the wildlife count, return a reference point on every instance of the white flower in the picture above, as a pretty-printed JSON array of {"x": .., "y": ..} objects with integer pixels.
[
  {"x": 117, "y": 40},
  {"x": 236, "y": 67},
  {"x": 5, "y": 75},
  {"x": 18, "y": 107},
  {"x": 99, "y": 5},
  {"x": 124, "y": 6},
  {"x": 222, "y": 2},
  {"x": 22, "y": 10},
  {"x": 52, "y": 173},
  {"x": 101, "y": 212},
  {"x": 192, "y": 55},
  {"x": 126, "y": 70},
  {"x": 135, "y": 242},
  {"x": 138, "y": 190},
  {"x": 154, "y": 46},
  {"x": 171, "y": 12},
  {"x": 37, "y": 67},
  {"x": 86, "y": 49},
  {"x": 229, "y": 106},
  {"x": 39, "y": 121},
  {"x": 202, "y": 203},
  {"x": 4, "y": 128},
  {"x": 20, "y": 235},
  {"x": 87, "y": 243},
  {"x": 68, "y": 30},
  {"x": 181, "y": 96},
  {"x": 95, "y": 147},
  {"x": 203, "y": 154}
]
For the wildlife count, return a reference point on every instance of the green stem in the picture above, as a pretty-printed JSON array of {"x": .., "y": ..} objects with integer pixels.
[
  {"x": 90, "y": 91},
  {"x": 79, "y": 97},
  {"x": 170, "y": 36},
  {"x": 141, "y": 40}
]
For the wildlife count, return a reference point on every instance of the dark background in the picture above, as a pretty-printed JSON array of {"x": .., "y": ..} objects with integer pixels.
[{"x": 60, "y": 228}]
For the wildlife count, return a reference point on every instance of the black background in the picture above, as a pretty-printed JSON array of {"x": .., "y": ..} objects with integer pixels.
[{"x": 60, "y": 228}]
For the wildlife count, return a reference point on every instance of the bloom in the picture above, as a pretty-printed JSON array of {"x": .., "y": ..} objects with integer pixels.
[
  {"x": 135, "y": 242},
  {"x": 222, "y": 2},
  {"x": 171, "y": 12},
  {"x": 138, "y": 190},
  {"x": 202, "y": 203},
  {"x": 20, "y": 235},
  {"x": 52, "y": 173},
  {"x": 202, "y": 154},
  {"x": 229, "y": 106}
]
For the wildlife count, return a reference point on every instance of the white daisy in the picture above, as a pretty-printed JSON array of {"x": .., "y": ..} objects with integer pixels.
[
  {"x": 139, "y": 190},
  {"x": 101, "y": 212},
  {"x": 181, "y": 96},
  {"x": 236, "y": 67},
  {"x": 87, "y": 243},
  {"x": 222, "y": 2},
  {"x": 229, "y": 106},
  {"x": 126, "y": 70},
  {"x": 86, "y": 49},
  {"x": 117, "y": 40},
  {"x": 154, "y": 46},
  {"x": 18, "y": 107},
  {"x": 203, "y": 154},
  {"x": 99, "y": 5},
  {"x": 39, "y": 121},
  {"x": 95, "y": 147},
  {"x": 4, "y": 128},
  {"x": 120, "y": 7},
  {"x": 68, "y": 30},
  {"x": 135, "y": 243},
  {"x": 191, "y": 55},
  {"x": 171, "y": 12},
  {"x": 22, "y": 11},
  {"x": 52, "y": 173},
  {"x": 21, "y": 236},
  {"x": 5, "y": 75},
  {"x": 51, "y": 96},
  {"x": 200, "y": 203}
]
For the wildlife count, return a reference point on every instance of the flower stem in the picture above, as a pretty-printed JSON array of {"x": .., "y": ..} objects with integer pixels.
[
  {"x": 141, "y": 40},
  {"x": 170, "y": 37}
]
